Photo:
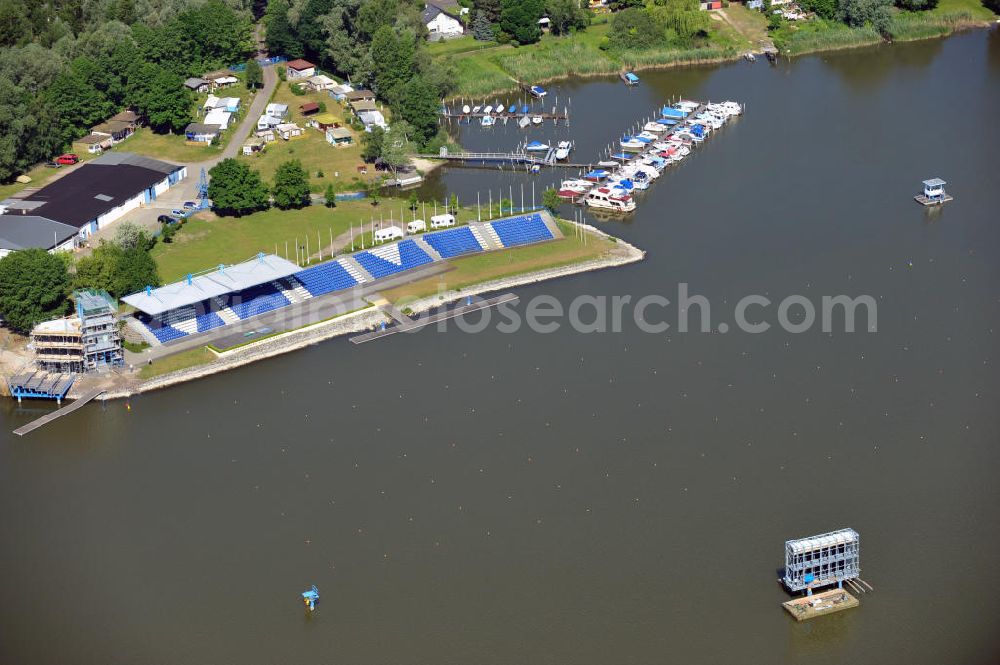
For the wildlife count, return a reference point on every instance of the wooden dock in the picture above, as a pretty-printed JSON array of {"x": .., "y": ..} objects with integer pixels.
[
  {"x": 820, "y": 604},
  {"x": 65, "y": 411},
  {"x": 407, "y": 324}
]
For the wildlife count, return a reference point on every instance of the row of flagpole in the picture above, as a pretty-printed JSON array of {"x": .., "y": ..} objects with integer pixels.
[{"x": 302, "y": 254}]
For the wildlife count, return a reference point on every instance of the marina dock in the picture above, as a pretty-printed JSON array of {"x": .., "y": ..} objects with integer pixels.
[{"x": 65, "y": 411}]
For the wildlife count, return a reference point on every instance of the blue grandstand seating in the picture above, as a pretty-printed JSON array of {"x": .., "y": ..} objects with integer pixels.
[
  {"x": 325, "y": 278},
  {"x": 410, "y": 254},
  {"x": 522, "y": 230},
  {"x": 257, "y": 300},
  {"x": 208, "y": 321},
  {"x": 453, "y": 242},
  {"x": 166, "y": 333}
]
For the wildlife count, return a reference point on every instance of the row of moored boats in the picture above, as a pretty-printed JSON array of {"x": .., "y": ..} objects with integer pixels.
[{"x": 644, "y": 156}]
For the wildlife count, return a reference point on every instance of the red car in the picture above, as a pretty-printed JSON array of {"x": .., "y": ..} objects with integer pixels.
[{"x": 68, "y": 159}]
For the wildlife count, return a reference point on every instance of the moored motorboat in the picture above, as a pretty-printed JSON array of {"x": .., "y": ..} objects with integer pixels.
[
  {"x": 605, "y": 198},
  {"x": 631, "y": 143},
  {"x": 537, "y": 146},
  {"x": 597, "y": 175},
  {"x": 629, "y": 78},
  {"x": 537, "y": 91},
  {"x": 524, "y": 122},
  {"x": 512, "y": 109},
  {"x": 537, "y": 120},
  {"x": 562, "y": 150},
  {"x": 654, "y": 126},
  {"x": 576, "y": 185},
  {"x": 477, "y": 109},
  {"x": 487, "y": 121},
  {"x": 466, "y": 110},
  {"x": 488, "y": 110}
]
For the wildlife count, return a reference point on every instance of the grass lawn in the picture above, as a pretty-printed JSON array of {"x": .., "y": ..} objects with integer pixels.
[
  {"x": 181, "y": 360},
  {"x": 173, "y": 147},
  {"x": 471, "y": 270},
  {"x": 337, "y": 164},
  {"x": 460, "y": 45},
  {"x": 203, "y": 243},
  {"x": 750, "y": 23}
]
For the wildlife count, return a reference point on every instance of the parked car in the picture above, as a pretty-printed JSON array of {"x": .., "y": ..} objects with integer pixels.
[
  {"x": 178, "y": 213},
  {"x": 166, "y": 219},
  {"x": 68, "y": 159},
  {"x": 190, "y": 205},
  {"x": 53, "y": 165}
]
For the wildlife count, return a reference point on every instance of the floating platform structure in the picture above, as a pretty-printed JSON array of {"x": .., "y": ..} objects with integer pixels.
[
  {"x": 39, "y": 384},
  {"x": 821, "y": 561},
  {"x": 933, "y": 193},
  {"x": 825, "y": 602}
]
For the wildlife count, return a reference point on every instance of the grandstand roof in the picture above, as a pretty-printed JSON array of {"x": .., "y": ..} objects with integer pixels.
[{"x": 228, "y": 279}]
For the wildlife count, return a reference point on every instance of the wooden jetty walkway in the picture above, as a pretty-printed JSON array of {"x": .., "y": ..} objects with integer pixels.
[
  {"x": 66, "y": 410},
  {"x": 498, "y": 158},
  {"x": 406, "y": 324}
]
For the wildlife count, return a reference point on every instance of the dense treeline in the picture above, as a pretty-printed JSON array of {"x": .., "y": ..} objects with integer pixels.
[
  {"x": 69, "y": 64},
  {"x": 375, "y": 43}
]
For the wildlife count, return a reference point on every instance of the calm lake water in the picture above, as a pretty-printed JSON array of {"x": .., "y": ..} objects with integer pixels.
[{"x": 567, "y": 498}]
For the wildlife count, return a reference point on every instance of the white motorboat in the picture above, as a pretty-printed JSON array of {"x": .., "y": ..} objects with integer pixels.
[
  {"x": 477, "y": 108},
  {"x": 488, "y": 110},
  {"x": 576, "y": 185},
  {"x": 654, "y": 127},
  {"x": 487, "y": 121},
  {"x": 631, "y": 143},
  {"x": 466, "y": 109},
  {"x": 647, "y": 137},
  {"x": 537, "y": 120},
  {"x": 605, "y": 198},
  {"x": 537, "y": 146},
  {"x": 562, "y": 150},
  {"x": 524, "y": 122}
]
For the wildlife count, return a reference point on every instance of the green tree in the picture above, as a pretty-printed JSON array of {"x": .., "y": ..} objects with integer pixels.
[
  {"x": 482, "y": 28},
  {"x": 857, "y": 13},
  {"x": 236, "y": 189},
  {"x": 371, "y": 144},
  {"x": 33, "y": 287},
  {"x": 160, "y": 97},
  {"x": 280, "y": 37},
  {"x": 826, "y": 9},
  {"x": 519, "y": 19},
  {"x": 253, "y": 75},
  {"x": 129, "y": 235},
  {"x": 291, "y": 186},
  {"x": 413, "y": 202},
  {"x": 118, "y": 270},
  {"x": 418, "y": 105},
  {"x": 76, "y": 102},
  {"x": 635, "y": 29},
  {"x": 392, "y": 56},
  {"x": 565, "y": 16},
  {"x": 397, "y": 146},
  {"x": 550, "y": 199},
  {"x": 490, "y": 9},
  {"x": 330, "y": 196}
]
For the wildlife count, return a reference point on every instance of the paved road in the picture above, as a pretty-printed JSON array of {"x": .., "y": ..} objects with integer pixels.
[{"x": 187, "y": 189}]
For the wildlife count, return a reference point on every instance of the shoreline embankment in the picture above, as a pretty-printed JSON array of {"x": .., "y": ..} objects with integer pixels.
[{"x": 367, "y": 319}]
